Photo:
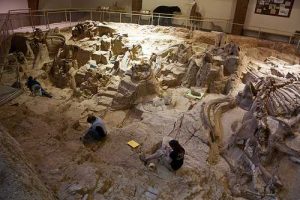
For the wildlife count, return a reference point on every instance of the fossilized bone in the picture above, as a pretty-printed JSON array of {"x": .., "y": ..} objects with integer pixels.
[{"x": 264, "y": 100}]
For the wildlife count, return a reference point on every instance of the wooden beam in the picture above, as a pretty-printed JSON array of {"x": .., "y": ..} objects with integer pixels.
[
  {"x": 33, "y": 4},
  {"x": 239, "y": 16},
  {"x": 137, "y": 5}
]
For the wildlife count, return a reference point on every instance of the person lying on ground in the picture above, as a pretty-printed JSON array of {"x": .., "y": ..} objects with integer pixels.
[
  {"x": 96, "y": 132},
  {"x": 170, "y": 154},
  {"x": 35, "y": 87}
]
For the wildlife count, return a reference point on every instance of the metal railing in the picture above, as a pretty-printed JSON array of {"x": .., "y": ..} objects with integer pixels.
[
  {"x": 46, "y": 19},
  {"x": 26, "y": 17}
]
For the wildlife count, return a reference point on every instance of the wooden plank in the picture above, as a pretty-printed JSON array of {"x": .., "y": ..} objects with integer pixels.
[{"x": 239, "y": 17}]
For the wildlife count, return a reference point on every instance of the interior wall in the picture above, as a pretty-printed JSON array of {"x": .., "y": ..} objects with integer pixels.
[
  {"x": 290, "y": 24},
  {"x": 126, "y": 4},
  {"x": 218, "y": 9},
  {"x": 6, "y": 5},
  {"x": 215, "y": 9},
  {"x": 57, "y": 4},
  {"x": 54, "y": 4}
]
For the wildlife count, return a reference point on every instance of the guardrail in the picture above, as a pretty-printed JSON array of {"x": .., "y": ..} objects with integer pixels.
[
  {"x": 45, "y": 18},
  {"x": 73, "y": 15}
]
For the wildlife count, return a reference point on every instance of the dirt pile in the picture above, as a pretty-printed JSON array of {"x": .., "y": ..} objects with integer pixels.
[{"x": 18, "y": 178}]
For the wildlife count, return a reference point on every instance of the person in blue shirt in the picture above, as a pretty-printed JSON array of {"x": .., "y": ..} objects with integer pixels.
[
  {"x": 96, "y": 132},
  {"x": 35, "y": 87}
]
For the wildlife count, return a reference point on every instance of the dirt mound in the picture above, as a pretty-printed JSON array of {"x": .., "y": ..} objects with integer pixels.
[{"x": 18, "y": 179}]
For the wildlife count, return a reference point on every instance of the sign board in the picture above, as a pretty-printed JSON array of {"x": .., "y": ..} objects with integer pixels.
[{"x": 281, "y": 8}]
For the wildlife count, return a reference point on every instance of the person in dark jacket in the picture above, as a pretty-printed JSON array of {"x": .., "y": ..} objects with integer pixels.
[
  {"x": 96, "y": 132},
  {"x": 35, "y": 87},
  {"x": 170, "y": 154},
  {"x": 177, "y": 155}
]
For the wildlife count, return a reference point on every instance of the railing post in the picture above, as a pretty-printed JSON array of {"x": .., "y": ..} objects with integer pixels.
[
  {"x": 158, "y": 19},
  {"x": 186, "y": 23},
  {"x": 11, "y": 25},
  {"x": 120, "y": 17},
  {"x": 152, "y": 17},
  {"x": 45, "y": 20},
  {"x": 66, "y": 16},
  {"x": 31, "y": 22},
  {"x": 91, "y": 15},
  {"x": 48, "y": 21},
  {"x": 227, "y": 27},
  {"x": 70, "y": 18}
]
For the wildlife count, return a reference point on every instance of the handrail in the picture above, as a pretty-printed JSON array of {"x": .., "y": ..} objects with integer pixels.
[{"x": 186, "y": 19}]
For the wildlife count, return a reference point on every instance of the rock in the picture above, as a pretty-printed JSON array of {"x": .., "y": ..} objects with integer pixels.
[
  {"x": 220, "y": 39},
  {"x": 104, "y": 30},
  {"x": 141, "y": 71},
  {"x": 108, "y": 93},
  {"x": 89, "y": 87},
  {"x": 83, "y": 56},
  {"x": 153, "y": 190},
  {"x": 117, "y": 46},
  {"x": 41, "y": 56},
  {"x": 232, "y": 49},
  {"x": 136, "y": 51},
  {"x": 215, "y": 73},
  {"x": 101, "y": 57},
  {"x": 89, "y": 79},
  {"x": 230, "y": 64},
  {"x": 179, "y": 53},
  {"x": 80, "y": 77},
  {"x": 129, "y": 92},
  {"x": 291, "y": 76},
  {"x": 276, "y": 72},
  {"x": 61, "y": 74},
  {"x": 218, "y": 87},
  {"x": 85, "y": 197},
  {"x": 76, "y": 125},
  {"x": 184, "y": 54},
  {"x": 203, "y": 74},
  {"x": 197, "y": 91},
  {"x": 105, "y": 44},
  {"x": 150, "y": 196},
  {"x": 169, "y": 81},
  {"x": 124, "y": 63},
  {"x": 190, "y": 77},
  {"x": 76, "y": 188},
  {"x": 105, "y": 101},
  {"x": 54, "y": 42}
]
